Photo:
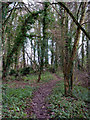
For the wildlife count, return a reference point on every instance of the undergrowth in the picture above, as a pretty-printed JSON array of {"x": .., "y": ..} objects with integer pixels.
[
  {"x": 45, "y": 77},
  {"x": 68, "y": 107},
  {"x": 15, "y": 101}
]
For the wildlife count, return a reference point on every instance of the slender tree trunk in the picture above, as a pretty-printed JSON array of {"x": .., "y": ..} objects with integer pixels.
[
  {"x": 45, "y": 22},
  {"x": 78, "y": 63},
  {"x": 46, "y": 53},
  {"x": 88, "y": 41},
  {"x": 23, "y": 50},
  {"x": 52, "y": 53},
  {"x": 34, "y": 49},
  {"x": 43, "y": 43},
  {"x": 62, "y": 42},
  {"x": 41, "y": 68},
  {"x": 39, "y": 40},
  {"x": 39, "y": 77},
  {"x": 38, "y": 47},
  {"x": 3, "y": 57},
  {"x": 67, "y": 82},
  {"x": 72, "y": 79},
  {"x": 64, "y": 52},
  {"x": 82, "y": 50},
  {"x": 56, "y": 55},
  {"x": 16, "y": 60},
  {"x": 31, "y": 52},
  {"x": 87, "y": 53}
]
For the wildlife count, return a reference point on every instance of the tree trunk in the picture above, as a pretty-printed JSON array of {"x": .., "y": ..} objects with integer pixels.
[
  {"x": 3, "y": 57},
  {"x": 43, "y": 44},
  {"x": 52, "y": 52},
  {"x": 46, "y": 53},
  {"x": 38, "y": 47},
  {"x": 39, "y": 77},
  {"x": 74, "y": 19},
  {"x": 77, "y": 38},
  {"x": 39, "y": 41},
  {"x": 34, "y": 48},
  {"x": 45, "y": 22},
  {"x": 16, "y": 60},
  {"x": 31, "y": 52},
  {"x": 88, "y": 41},
  {"x": 23, "y": 50},
  {"x": 87, "y": 54},
  {"x": 56, "y": 55},
  {"x": 82, "y": 50},
  {"x": 66, "y": 84},
  {"x": 66, "y": 55}
]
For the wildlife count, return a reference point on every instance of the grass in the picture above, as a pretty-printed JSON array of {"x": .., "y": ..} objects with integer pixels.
[
  {"x": 81, "y": 93},
  {"x": 15, "y": 101},
  {"x": 67, "y": 107},
  {"x": 45, "y": 77},
  {"x": 59, "y": 73},
  {"x": 30, "y": 78}
]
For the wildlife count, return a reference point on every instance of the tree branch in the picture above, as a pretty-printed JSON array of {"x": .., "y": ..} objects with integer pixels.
[
  {"x": 9, "y": 15},
  {"x": 74, "y": 19}
]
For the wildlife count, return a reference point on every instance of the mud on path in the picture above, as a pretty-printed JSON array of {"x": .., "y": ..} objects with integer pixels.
[{"x": 39, "y": 104}]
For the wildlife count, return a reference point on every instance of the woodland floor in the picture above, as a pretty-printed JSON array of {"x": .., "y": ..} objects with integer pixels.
[
  {"x": 81, "y": 78},
  {"x": 39, "y": 104}
]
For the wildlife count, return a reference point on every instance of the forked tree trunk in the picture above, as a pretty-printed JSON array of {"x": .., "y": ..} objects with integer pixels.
[
  {"x": 68, "y": 69},
  {"x": 77, "y": 38}
]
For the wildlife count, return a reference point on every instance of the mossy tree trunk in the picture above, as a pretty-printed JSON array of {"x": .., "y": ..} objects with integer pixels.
[
  {"x": 23, "y": 52},
  {"x": 43, "y": 43},
  {"x": 69, "y": 72}
]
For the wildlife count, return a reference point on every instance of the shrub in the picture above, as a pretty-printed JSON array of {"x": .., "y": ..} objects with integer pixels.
[
  {"x": 61, "y": 107},
  {"x": 15, "y": 101},
  {"x": 52, "y": 69},
  {"x": 12, "y": 72},
  {"x": 26, "y": 70}
]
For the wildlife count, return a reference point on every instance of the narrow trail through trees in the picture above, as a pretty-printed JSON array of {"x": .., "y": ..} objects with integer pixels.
[{"x": 39, "y": 103}]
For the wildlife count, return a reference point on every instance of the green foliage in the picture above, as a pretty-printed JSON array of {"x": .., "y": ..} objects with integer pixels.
[
  {"x": 66, "y": 107},
  {"x": 31, "y": 78},
  {"x": 52, "y": 69},
  {"x": 26, "y": 70},
  {"x": 21, "y": 34},
  {"x": 10, "y": 78},
  {"x": 12, "y": 72},
  {"x": 46, "y": 77},
  {"x": 14, "y": 101},
  {"x": 59, "y": 73},
  {"x": 81, "y": 93}
]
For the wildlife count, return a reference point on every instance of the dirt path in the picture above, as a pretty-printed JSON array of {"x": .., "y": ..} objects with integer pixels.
[{"x": 39, "y": 105}]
